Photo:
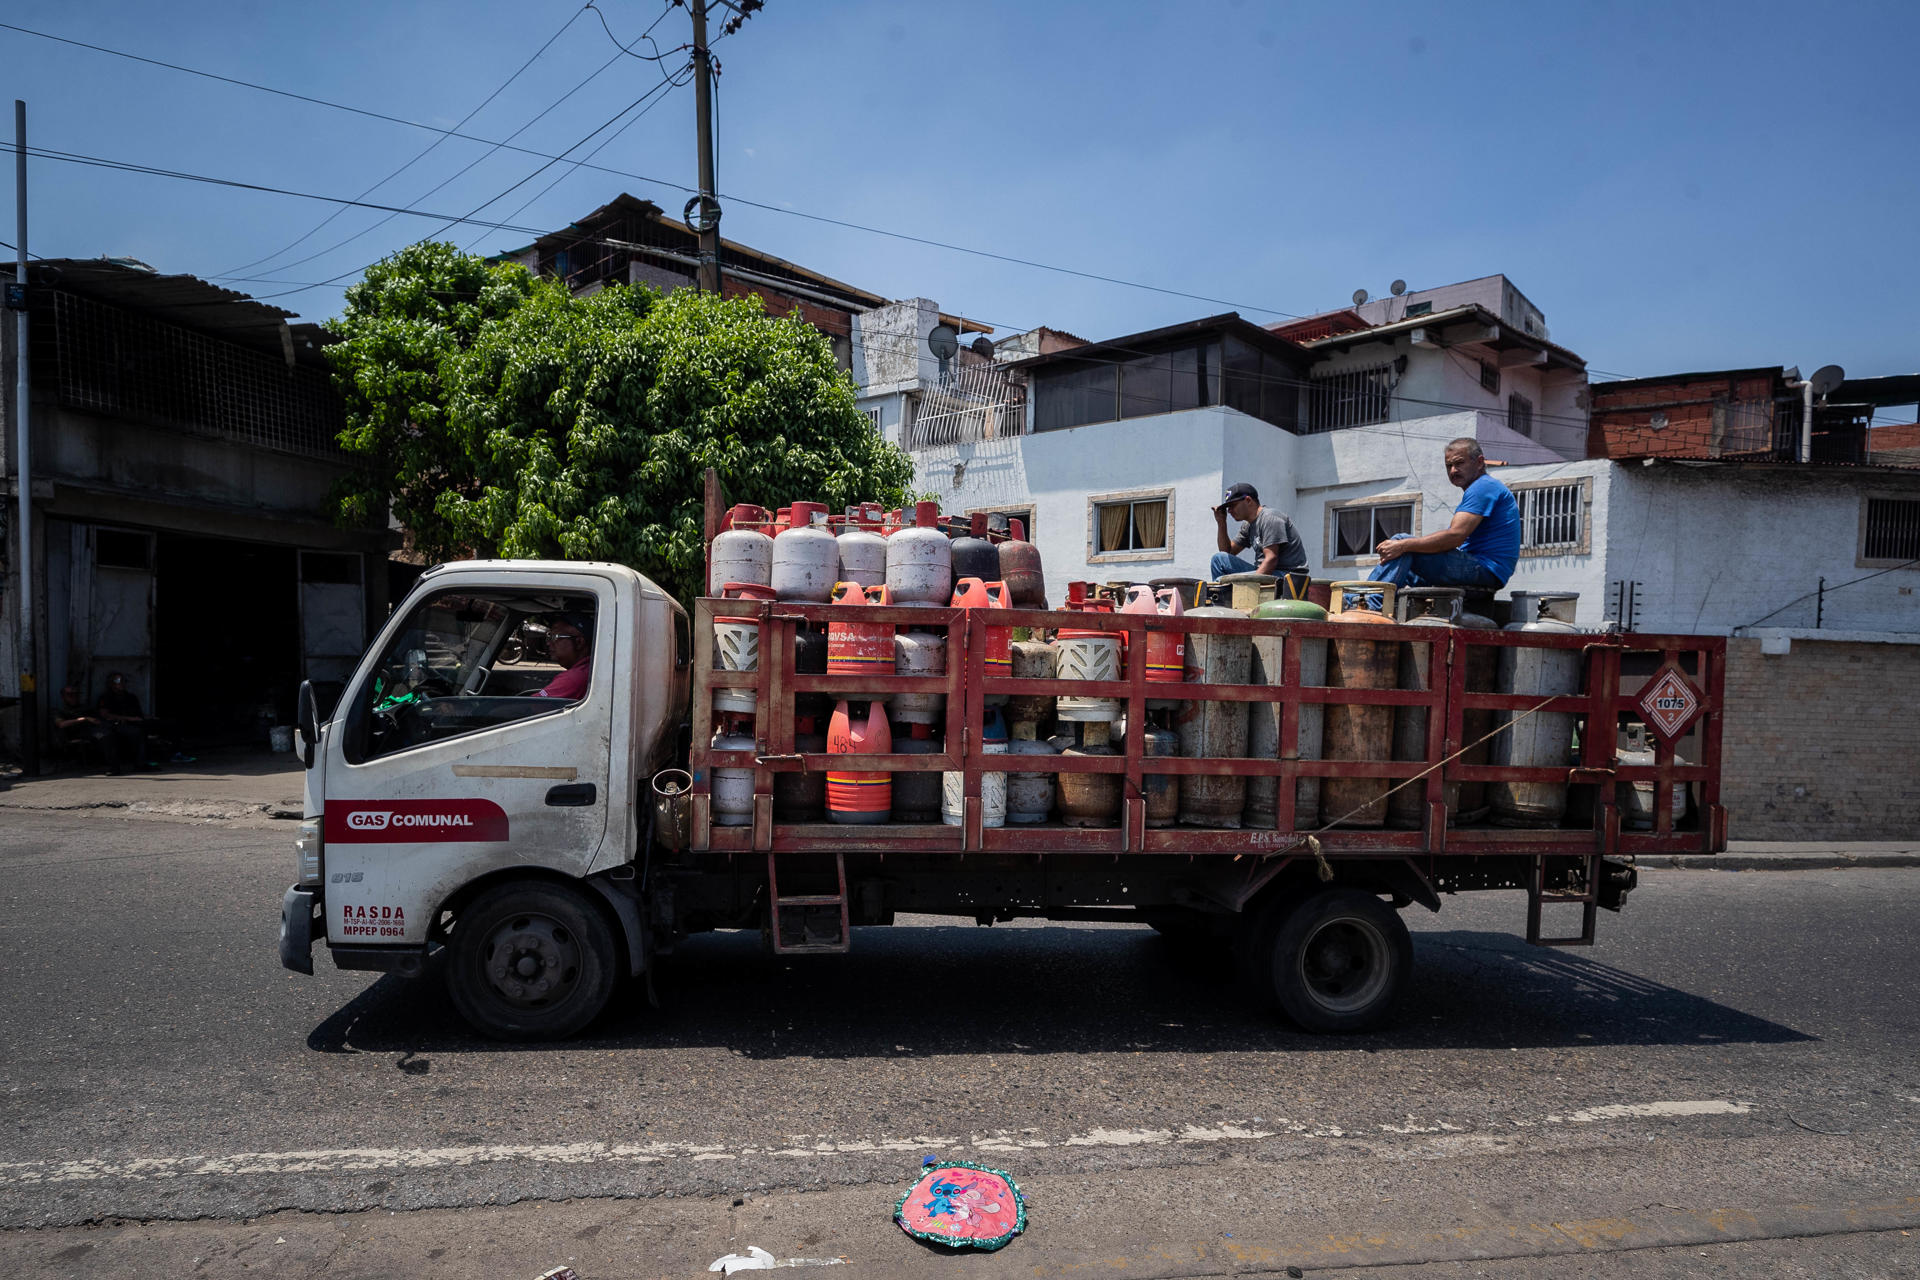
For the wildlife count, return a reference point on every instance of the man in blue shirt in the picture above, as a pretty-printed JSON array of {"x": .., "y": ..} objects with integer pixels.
[{"x": 1477, "y": 549}]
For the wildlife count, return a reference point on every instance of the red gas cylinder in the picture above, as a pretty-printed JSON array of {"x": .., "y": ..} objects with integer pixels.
[
  {"x": 857, "y": 648},
  {"x": 861, "y": 798},
  {"x": 1020, "y": 569},
  {"x": 1166, "y": 650},
  {"x": 972, "y": 593}
]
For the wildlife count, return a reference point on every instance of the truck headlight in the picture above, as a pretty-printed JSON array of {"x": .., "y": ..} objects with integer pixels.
[{"x": 306, "y": 852}]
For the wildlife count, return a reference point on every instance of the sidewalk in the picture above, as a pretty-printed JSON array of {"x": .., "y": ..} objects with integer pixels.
[
  {"x": 262, "y": 788},
  {"x": 239, "y": 786}
]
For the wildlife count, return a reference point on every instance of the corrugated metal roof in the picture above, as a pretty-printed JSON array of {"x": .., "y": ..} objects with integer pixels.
[
  {"x": 188, "y": 301},
  {"x": 1116, "y": 349}
]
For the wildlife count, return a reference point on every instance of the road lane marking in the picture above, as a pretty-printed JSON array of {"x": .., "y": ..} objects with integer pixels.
[{"x": 375, "y": 1159}]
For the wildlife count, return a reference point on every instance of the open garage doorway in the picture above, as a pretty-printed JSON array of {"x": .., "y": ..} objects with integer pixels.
[{"x": 226, "y": 638}]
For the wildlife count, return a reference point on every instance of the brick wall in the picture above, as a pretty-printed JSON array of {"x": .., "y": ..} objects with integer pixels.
[
  {"x": 1621, "y": 423},
  {"x": 1822, "y": 743}
]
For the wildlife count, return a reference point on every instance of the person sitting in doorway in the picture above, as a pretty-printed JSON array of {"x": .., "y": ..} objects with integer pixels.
[
  {"x": 1270, "y": 537},
  {"x": 1480, "y": 545},
  {"x": 569, "y": 643},
  {"x": 122, "y": 745},
  {"x": 120, "y": 705}
]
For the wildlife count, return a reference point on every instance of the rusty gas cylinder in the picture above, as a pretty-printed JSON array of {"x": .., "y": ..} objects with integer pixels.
[{"x": 1359, "y": 732}]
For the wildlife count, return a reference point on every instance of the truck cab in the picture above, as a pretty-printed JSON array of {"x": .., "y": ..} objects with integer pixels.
[{"x": 478, "y": 786}]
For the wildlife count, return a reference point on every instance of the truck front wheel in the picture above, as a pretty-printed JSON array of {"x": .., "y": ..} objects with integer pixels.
[
  {"x": 1337, "y": 960},
  {"x": 530, "y": 961}
]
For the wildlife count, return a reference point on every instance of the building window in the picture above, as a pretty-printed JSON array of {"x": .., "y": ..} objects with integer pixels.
[
  {"x": 1520, "y": 415},
  {"x": 1417, "y": 309},
  {"x": 1890, "y": 531},
  {"x": 873, "y": 419},
  {"x": 1135, "y": 526},
  {"x": 122, "y": 549},
  {"x": 1349, "y": 398},
  {"x": 1360, "y": 527},
  {"x": 1161, "y": 382},
  {"x": 1023, "y": 514},
  {"x": 1490, "y": 377},
  {"x": 1552, "y": 516}
]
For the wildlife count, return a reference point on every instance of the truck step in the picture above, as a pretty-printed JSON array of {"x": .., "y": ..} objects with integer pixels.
[{"x": 808, "y": 913}]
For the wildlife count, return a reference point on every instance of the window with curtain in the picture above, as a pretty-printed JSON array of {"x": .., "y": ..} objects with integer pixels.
[
  {"x": 1130, "y": 526},
  {"x": 1358, "y": 530}
]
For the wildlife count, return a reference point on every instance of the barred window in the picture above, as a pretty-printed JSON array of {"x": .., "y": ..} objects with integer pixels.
[
  {"x": 1891, "y": 530},
  {"x": 1550, "y": 516},
  {"x": 1349, "y": 398},
  {"x": 1520, "y": 414}
]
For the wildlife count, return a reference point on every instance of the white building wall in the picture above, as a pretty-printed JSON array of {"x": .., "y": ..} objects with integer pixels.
[
  {"x": 1716, "y": 548},
  {"x": 890, "y": 351}
]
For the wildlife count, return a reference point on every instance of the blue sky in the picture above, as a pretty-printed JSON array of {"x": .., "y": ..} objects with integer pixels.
[{"x": 1678, "y": 186}]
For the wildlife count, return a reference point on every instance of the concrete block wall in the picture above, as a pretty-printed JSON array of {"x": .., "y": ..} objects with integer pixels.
[{"x": 1821, "y": 743}]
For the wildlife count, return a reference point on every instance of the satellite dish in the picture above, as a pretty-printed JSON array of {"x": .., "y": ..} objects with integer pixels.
[
  {"x": 1397, "y": 288},
  {"x": 982, "y": 346},
  {"x": 944, "y": 342},
  {"x": 1827, "y": 379},
  {"x": 1359, "y": 297}
]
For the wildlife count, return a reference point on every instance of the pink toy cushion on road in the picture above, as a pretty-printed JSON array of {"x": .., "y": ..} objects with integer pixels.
[{"x": 963, "y": 1205}]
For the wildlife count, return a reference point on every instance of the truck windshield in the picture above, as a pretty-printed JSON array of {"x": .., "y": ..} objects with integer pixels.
[{"x": 469, "y": 660}]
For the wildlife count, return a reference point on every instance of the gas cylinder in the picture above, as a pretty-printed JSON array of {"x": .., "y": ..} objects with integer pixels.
[
  {"x": 919, "y": 653},
  {"x": 736, "y": 646},
  {"x": 1187, "y": 589},
  {"x": 859, "y": 648},
  {"x": 1087, "y": 655},
  {"x": 1166, "y": 651},
  {"x": 1250, "y": 590},
  {"x": 863, "y": 551},
  {"x": 1636, "y": 798},
  {"x": 1162, "y": 790},
  {"x": 801, "y": 796},
  {"x": 1090, "y": 799},
  {"x": 862, "y": 798},
  {"x": 971, "y": 593},
  {"x": 1029, "y": 795},
  {"x": 1032, "y": 660},
  {"x": 993, "y": 786},
  {"x": 742, "y": 551},
  {"x": 920, "y": 560},
  {"x": 1214, "y": 728},
  {"x": 1313, "y": 674},
  {"x": 732, "y": 789},
  {"x": 1020, "y": 569},
  {"x": 916, "y": 792},
  {"x": 810, "y": 659},
  {"x": 806, "y": 558},
  {"x": 1483, "y": 669},
  {"x": 1359, "y": 732},
  {"x": 1543, "y": 740},
  {"x": 974, "y": 556},
  {"x": 1428, "y": 607}
]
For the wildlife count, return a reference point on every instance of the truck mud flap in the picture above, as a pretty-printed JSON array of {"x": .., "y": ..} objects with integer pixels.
[
  {"x": 405, "y": 961},
  {"x": 296, "y": 928}
]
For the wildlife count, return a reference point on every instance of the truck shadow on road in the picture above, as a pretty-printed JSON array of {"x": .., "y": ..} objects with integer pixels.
[{"x": 914, "y": 992}]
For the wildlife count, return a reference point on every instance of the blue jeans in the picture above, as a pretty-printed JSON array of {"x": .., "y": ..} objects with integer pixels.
[
  {"x": 1433, "y": 569},
  {"x": 1224, "y": 563}
]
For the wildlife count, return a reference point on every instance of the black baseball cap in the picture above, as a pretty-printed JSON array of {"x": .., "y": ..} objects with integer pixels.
[{"x": 1239, "y": 491}]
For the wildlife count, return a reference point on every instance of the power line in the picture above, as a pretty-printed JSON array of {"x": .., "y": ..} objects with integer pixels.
[
  {"x": 646, "y": 35},
  {"x": 662, "y": 182},
  {"x": 423, "y": 154}
]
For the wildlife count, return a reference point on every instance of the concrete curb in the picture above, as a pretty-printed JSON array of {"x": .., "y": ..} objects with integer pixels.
[{"x": 1775, "y": 862}]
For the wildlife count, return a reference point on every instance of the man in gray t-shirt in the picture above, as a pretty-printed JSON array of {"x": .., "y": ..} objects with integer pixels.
[{"x": 1270, "y": 537}]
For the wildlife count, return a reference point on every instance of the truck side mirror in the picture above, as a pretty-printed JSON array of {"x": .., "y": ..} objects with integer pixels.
[{"x": 307, "y": 720}]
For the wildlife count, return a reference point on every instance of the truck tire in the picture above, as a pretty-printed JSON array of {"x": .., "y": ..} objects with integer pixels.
[
  {"x": 1336, "y": 961},
  {"x": 529, "y": 960}
]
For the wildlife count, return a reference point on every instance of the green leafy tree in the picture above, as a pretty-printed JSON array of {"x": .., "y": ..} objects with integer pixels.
[
  {"x": 581, "y": 428},
  {"x": 412, "y": 311}
]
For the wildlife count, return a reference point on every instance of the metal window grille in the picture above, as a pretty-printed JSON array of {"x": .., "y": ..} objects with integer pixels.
[
  {"x": 969, "y": 403},
  {"x": 1520, "y": 414},
  {"x": 1550, "y": 516},
  {"x": 1490, "y": 377},
  {"x": 1893, "y": 529},
  {"x": 873, "y": 419},
  {"x": 132, "y": 366},
  {"x": 1349, "y": 398}
]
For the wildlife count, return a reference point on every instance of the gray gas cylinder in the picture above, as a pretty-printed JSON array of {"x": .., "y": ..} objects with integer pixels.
[
  {"x": 1029, "y": 795},
  {"x": 1543, "y": 739},
  {"x": 1214, "y": 728}
]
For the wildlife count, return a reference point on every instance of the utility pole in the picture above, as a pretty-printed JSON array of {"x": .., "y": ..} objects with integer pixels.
[
  {"x": 705, "y": 205},
  {"x": 23, "y": 456}
]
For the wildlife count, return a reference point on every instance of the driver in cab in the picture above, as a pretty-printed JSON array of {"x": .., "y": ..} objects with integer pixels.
[{"x": 569, "y": 643}]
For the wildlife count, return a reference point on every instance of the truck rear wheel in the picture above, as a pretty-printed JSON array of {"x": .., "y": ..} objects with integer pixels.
[
  {"x": 1336, "y": 961},
  {"x": 530, "y": 961}
]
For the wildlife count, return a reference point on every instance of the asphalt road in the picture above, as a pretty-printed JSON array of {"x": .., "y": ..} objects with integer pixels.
[{"x": 1736, "y": 1044}]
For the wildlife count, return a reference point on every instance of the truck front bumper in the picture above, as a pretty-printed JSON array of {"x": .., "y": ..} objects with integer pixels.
[{"x": 296, "y": 928}]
